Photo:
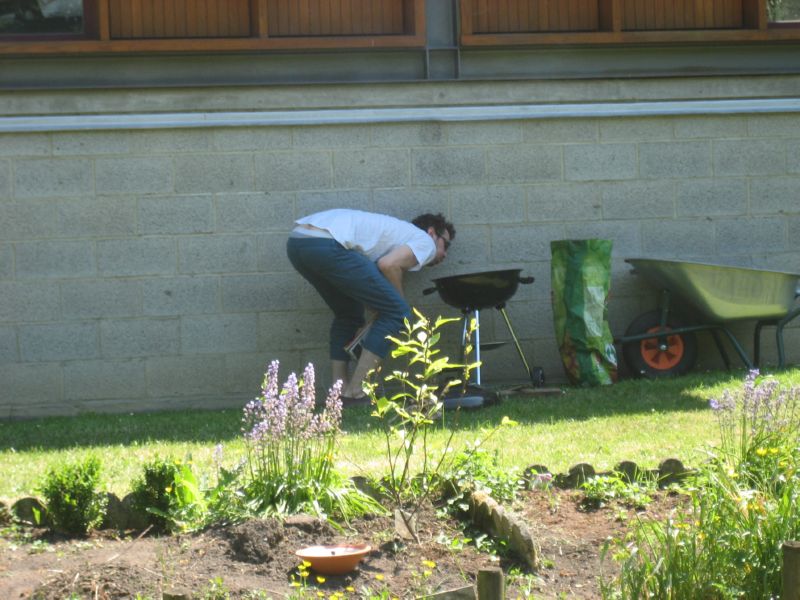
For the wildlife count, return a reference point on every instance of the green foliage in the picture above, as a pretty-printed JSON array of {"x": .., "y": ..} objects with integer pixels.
[
  {"x": 215, "y": 590},
  {"x": 73, "y": 501},
  {"x": 743, "y": 505},
  {"x": 605, "y": 489},
  {"x": 407, "y": 416},
  {"x": 477, "y": 469}
]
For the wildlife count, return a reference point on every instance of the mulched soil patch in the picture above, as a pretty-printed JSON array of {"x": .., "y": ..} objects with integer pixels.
[
  {"x": 571, "y": 537},
  {"x": 259, "y": 555}
]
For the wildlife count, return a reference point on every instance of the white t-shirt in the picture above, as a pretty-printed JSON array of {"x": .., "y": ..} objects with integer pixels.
[{"x": 373, "y": 235}]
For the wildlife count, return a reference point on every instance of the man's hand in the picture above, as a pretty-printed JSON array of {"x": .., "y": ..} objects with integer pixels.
[{"x": 395, "y": 263}]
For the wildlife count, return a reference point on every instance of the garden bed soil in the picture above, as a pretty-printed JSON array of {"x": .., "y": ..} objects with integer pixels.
[{"x": 258, "y": 555}]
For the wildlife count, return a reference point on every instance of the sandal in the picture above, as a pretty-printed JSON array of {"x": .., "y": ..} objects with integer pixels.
[{"x": 352, "y": 401}]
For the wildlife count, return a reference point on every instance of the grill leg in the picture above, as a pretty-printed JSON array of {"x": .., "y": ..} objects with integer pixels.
[{"x": 503, "y": 312}]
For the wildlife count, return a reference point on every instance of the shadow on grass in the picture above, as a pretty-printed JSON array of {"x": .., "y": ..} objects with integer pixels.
[{"x": 683, "y": 394}]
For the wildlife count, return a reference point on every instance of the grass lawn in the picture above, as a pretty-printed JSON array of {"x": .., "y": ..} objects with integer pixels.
[{"x": 640, "y": 420}]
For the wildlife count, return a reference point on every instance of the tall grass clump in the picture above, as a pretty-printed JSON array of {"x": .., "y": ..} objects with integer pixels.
[
  {"x": 291, "y": 449},
  {"x": 743, "y": 506}
]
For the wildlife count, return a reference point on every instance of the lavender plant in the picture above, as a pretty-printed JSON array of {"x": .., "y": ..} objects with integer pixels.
[
  {"x": 291, "y": 449},
  {"x": 755, "y": 421}
]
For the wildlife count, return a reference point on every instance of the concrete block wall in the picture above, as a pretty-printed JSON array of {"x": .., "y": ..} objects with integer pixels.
[{"x": 145, "y": 269}]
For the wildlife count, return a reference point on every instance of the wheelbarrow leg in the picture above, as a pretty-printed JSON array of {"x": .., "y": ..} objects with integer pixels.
[
  {"x": 757, "y": 341},
  {"x": 721, "y": 349},
  {"x": 779, "y": 335},
  {"x": 738, "y": 347}
]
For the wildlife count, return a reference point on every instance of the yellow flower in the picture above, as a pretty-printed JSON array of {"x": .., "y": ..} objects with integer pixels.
[
  {"x": 429, "y": 563},
  {"x": 294, "y": 584},
  {"x": 761, "y": 451},
  {"x": 350, "y": 588},
  {"x": 321, "y": 594},
  {"x": 168, "y": 489},
  {"x": 320, "y": 579},
  {"x": 427, "y": 573},
  {"x": 379, "y": 577},
  {"x": 303, "y": 573},
  {"x": 306, "y": 564},
  {"x": 773, "y": 450}
]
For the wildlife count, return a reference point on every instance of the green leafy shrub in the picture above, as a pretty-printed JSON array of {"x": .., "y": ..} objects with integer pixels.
[
  {"x": 153, "y": 492},
  {"x": 74, "y": 504}
]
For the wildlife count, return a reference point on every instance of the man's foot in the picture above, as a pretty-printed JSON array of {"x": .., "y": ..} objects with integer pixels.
[{"x": 352, "y": 401}]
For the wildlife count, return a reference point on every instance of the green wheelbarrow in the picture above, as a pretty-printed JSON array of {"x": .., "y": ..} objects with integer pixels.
[{"x": 658, "y": 343}]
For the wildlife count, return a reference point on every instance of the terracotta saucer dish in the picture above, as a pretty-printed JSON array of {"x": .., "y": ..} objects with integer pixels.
[{"x": 335, "y": 559}]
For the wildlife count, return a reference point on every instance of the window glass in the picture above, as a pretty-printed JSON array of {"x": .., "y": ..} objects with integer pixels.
[
  {"x": 41, "y": 17},
  {"x": 784, "y": 10}
]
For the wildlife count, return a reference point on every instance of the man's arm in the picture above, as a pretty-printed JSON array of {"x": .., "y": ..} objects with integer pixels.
[{"x": 395, "y": 263}]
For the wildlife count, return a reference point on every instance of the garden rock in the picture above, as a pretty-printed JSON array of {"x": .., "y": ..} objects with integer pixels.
[
  {"x": 536, "y": 476},
  {"x": 670, "y": 471},
  {"x": 30, "y": 510},
  {"x": 576, "y": 476},
  {"x": 405, "y": 525},
  {"x": 116, "y": 516},
  {"x": 5, "y": 513},
  {"x": 134, "y": 518},
  {"x": 629, "y": 470}
]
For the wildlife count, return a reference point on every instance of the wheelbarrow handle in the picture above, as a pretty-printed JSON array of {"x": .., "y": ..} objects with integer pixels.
[
  {"x": 526, "y": 280},
  {"x": 428, "y": 291}
]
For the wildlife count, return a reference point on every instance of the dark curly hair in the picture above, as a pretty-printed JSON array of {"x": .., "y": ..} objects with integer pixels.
[{"x": 437, "y": 221}]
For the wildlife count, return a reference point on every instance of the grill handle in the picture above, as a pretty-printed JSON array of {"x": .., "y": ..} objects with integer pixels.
[
  {"x": 428, "y": 291},
  {"x": 526, "y": 280}
]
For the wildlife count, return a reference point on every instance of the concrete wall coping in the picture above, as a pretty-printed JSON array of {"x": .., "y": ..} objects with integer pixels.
[{"x": 394, "y": 115}]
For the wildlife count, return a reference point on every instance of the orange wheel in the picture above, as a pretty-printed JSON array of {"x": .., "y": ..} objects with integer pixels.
[
  {"x": 674, "y": 354},
  {"x": 662, "y": 353}
]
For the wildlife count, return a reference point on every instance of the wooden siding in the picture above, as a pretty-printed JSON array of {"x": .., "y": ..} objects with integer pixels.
[
  {"x": 511, "y": 16},
  {"x": 160, "y": 19},
  {"x": 310, "y": 18},
  {"x": 164, "y": 26},
  {"x": 655, "y": 15},
  {"x": 598, "y": 22}
]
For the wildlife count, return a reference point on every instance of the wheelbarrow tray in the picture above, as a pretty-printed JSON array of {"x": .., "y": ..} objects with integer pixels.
[{"x": 722, "y": 293}]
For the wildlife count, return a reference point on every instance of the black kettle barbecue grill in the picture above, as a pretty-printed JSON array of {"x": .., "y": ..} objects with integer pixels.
[{"x": 471, "y": 293}]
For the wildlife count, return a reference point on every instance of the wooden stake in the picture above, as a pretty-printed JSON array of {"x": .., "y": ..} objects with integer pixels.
[
  {"x": 491, "y": 584},
  {"x": 791, "y": 571}
]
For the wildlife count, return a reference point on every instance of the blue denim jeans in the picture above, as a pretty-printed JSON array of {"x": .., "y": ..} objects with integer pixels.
[{"x": 348, "y": 281}]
